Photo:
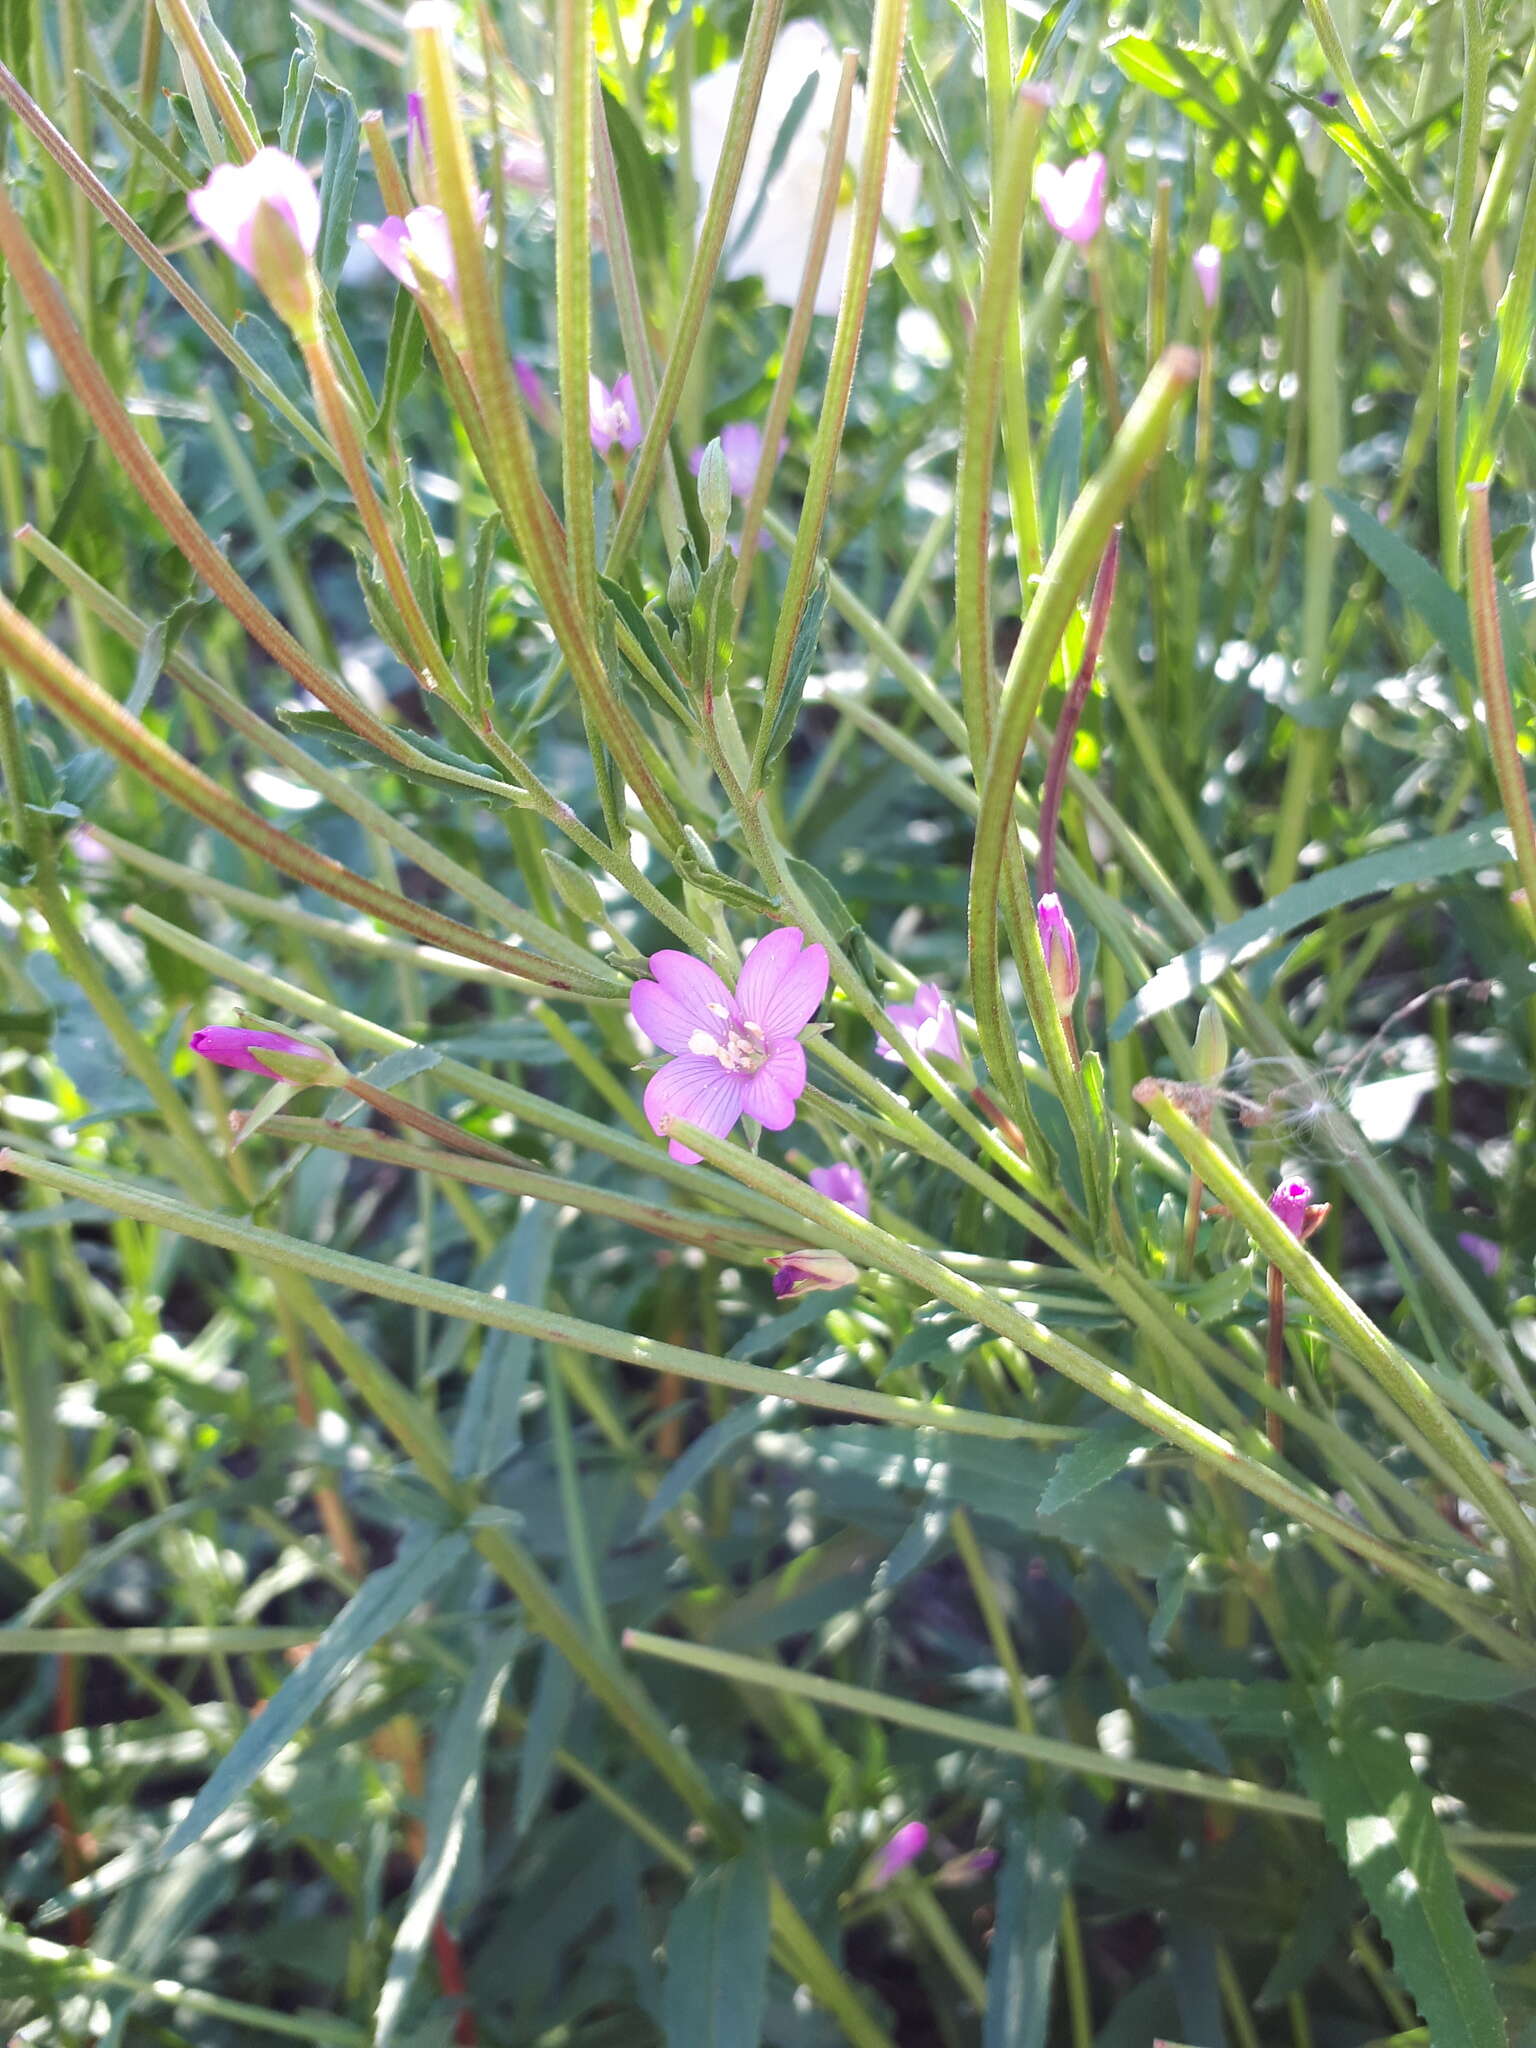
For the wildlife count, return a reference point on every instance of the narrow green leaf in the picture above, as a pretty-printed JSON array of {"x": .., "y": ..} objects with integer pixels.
[
  {"x": 801, "y": 656},
  {"x": 489, "y": 1426},
  {"x": 1380, "y": 1819},
  {"x": 717, "y": 1958},
  {"x": 1485, "y": 844},
  {"x": 383, "y": 1602},
  {"x": 1421, "y": 587},
  {"x": 338, "y": 180},
  {"x": 1037, "y": 1867},
  {"x": 300, "y": 83},
  {"x": 466, "y": 778}
]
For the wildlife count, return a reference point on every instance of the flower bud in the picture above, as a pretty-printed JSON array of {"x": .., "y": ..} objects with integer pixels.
[
  {"x": 1060, "y": 949},
  {"x": 1210, "y": 1046},
  {"x": 892, "y": 1857},
  {"x": 797, "y": 1273},
  {"x": 1290, "y": 1202},
  {"x": 680, "y": 590},
  {"x": 273, "y": 1053},
  {"x": 1206, "y": 265},
  {"x": 575, "y": 887},
  {"x": 715, "y": 495},
  {"x": 418, "y": 152}
]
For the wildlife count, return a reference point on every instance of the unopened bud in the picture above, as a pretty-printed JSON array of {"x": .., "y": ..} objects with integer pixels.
[
  {"x": 1206, "y": 264},
  {"x": 1210, "y": 1046},
  {"x": 797, "y": 1273},
  {"x": 680, "y": 590},
  {"x": 576, "y": 889},
  {"x": 715, "y": 495},
  {"x": 1060, "y": 948}
]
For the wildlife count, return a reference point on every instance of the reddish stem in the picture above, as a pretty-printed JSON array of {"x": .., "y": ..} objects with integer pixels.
[{"x": 1072, "y": 711}]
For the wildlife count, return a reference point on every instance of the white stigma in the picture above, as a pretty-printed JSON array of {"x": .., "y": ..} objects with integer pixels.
[{"x": 741, "y": 1049}]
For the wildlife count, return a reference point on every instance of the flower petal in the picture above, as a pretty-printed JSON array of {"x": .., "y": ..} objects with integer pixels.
[
  {"x": 696, "y": 985},
  {"x": 781, "y": 987},
  {"x": 698, "y": 1089},
  {"x": 771, "y": 1093}
]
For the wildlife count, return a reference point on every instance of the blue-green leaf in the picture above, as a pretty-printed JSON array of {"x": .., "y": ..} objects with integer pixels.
[
  {"x": 1484, "y": 844},
  {"x": 1037, "y": 1865},
  {"x": 717, "y": 1958},
  {"x": 383, "y": 1602},
  {"x": 1380, "y": 1819}
]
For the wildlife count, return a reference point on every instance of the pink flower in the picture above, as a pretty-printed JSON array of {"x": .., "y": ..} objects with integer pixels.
[
  {"x": 843, "y": 1184},
  {"x": 737, "y": 1055},
  {"x": 1482, "y": 1250},
  {"x": 1060, "y": 948},
  {"x": 227, "y": 1045},
  {"x": 904, "y": 1847},
  {"x": 615, "y": 415},
  {"x": 1206, "y": 264},
  {"x": 1290, "y": 1202},
  {"x": 741, "y": 443},
  {"x": 419, "y": 246},
  {"x": 236, "y": 194},
  {"x": 1072, "y": 196},
  {"x": 797, "y": 1273},
  {"x": 927, "y": 1024}
]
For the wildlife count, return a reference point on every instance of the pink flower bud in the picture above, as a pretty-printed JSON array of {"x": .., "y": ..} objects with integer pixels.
[
  {"x": 1072, "y": 196},
  {"x": 1060, "y": 948},
  {"x": 967, "y": 1868},
  {"x": 1206, "y": 264},
  {"x": 418, "y": 152},
  {"x": 1290, "y": 1202},
  {"x": 892, "y": 1857},
  {"x": 229, "y": 1045},
  {"x": 843, "y": 1184},
  {"x": 797, "y": 1273},
  {"x": 265, "y": 216}
]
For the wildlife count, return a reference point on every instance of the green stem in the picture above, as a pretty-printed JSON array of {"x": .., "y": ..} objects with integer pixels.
[
  {"x": 575, "y": 76},
  {"x": 1453, "y": 288},
  {"x": 1390, "y": 1368},
  {"x": 1498, "y": 705},
  {"x": 865, "y": 1243},
  {"x": 887, "y": 38},
  {"x": 1073, "y": 559},
  {"x": 756, "y": 49}
]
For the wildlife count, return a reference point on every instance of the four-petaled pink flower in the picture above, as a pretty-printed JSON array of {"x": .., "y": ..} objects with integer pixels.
[
  {"x": 843, "y": 1184},
  {"x": 1290, "y": 1202},
  {"x": 230, "y": 1045},
  {"x": 229, "y": 205},
  {"x": 927, "y": 1024},
  {"x": 736, "y": 1055},
  {"x": 904, "y": 1847},
  {"x": 741, "y": 443},
  {"x": 1072, "y": 196},
  {"x": 615, "y": 415}
]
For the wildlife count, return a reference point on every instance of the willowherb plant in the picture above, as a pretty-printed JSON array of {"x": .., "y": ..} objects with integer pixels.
[{"x": 724, "y": 659}]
